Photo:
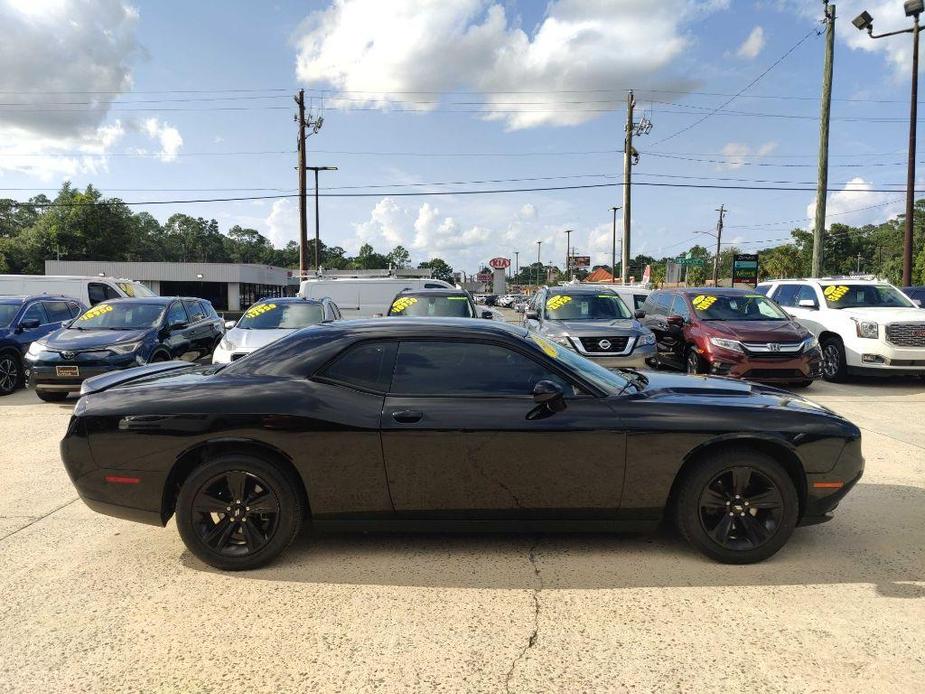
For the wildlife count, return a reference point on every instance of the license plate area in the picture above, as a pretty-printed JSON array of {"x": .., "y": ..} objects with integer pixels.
[{"x": 67, "y": 371}]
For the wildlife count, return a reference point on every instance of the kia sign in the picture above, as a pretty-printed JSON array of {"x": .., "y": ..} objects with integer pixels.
[{"x": 500, "y": 263}]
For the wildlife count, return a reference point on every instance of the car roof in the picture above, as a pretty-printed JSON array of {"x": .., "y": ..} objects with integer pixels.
[
  {"x": 156, "y": 300},
  {"x": 829, "y": 280},
  {"x": 719, "y": 291},
  {"x": 430, "y": 291},
  {"x": 579, "y": 289},
  {"x": 431, "y": 327},
  {"x": 23, "y": 298},
  {"x": 292, "y": 300}
]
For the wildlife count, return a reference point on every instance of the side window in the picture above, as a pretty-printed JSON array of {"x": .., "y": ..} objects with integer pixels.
[
  {"x": 762, "y": 289},
  {"x": 806, "y": 292},
  {"x": 194, "y": 310},
  {"x": 176, "y": 314},
  {"x": 649, "y": 305},
  {"x": 367, "y": 366},
  {"x": 97, "y": 293},
  {"x": 679, "y": 307},
  {"x": 35, "y": 312},
  {"x": 206, "y": 308},
  {"x": 74, "y": 309},
  {"x": 786, "y": 294},
  {"x": 638, "y": 301},
  {"x": 459, "y": 368},
  {"x": 57, "y": 311}
]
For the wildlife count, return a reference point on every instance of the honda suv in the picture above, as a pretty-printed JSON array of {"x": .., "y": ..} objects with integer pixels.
[
  {"x": 593, "y": 322},
  {"x": 731, "y": 332},
  {"x": 864, "y": 326}
]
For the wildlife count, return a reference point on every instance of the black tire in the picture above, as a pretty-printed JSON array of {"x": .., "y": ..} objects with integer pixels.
[
  {"x": 159, "y": 357},
  {"x": 693, "y": 364},
  {"x": 221, "y": 537},
  {"x": 730, "y": 529},
  {"x": 11, "y": 373},
  {"x": 51, "y": 395},
  {"x": 834, "y": 368}
]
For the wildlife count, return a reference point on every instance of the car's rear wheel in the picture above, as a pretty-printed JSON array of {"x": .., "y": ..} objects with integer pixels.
[
  {"x": 834, "y": 368},
  {"x": 693, "y": 361},
  {"x": 737, "y": 507},
  {"x": 10, "y": 373},
  {"x": 159, "y": 357},
  {"x": 238, "y": 512},
  {"x": 51, "y": 395}
]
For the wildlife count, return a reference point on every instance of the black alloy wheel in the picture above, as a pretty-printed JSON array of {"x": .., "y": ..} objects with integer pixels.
[
  {"x": 694, "y": 363},
  {"x": 238, "y": 512},
  {"x": 738, "y": 507},
  {"x": 10, "y": 373},
  {"x": 158, "y": 357},
  {"x": 834, "y": 368}
]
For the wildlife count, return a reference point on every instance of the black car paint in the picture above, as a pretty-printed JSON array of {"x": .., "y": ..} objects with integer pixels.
[{"x": 605, "y": 460}]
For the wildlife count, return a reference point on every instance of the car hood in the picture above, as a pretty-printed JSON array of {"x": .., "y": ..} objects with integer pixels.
[
  {"x": 72, "y": 340},
  {"x": 254, "y": 339},
  {"x": 592, "y": 328},
  {"x": 757, "y": 330},
  {"x": 885, "y": 314}
]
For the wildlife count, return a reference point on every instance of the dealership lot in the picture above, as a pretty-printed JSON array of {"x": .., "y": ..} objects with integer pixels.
[{"x": 93, "y": 603}]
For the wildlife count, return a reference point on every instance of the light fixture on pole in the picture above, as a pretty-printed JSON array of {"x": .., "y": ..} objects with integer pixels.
[
  {"x": 865, "y": 22},
  {"x": 316, "y": 169}
]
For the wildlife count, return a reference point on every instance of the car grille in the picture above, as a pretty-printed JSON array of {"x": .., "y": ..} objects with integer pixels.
[
  {"x": 760, "y": 350},
  {"x": 593, "y": 344},
  {"x": 906, "y": 334}
]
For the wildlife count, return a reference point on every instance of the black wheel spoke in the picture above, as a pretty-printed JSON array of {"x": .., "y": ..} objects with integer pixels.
[
  {"x": 206, "y": 503},
  {"x": 217, "y": 536},
  {"x": 741, "y": 476},
  {"x": 713, "y": 500},
  {"x": 252, "y": 537},
  {"x": 236, "y": 480},
  {"x": 265, "y": 503},
  {"x": 721, "y": 532},
  {"x": 754, "y": 530},
  {"x": 769, "y": 499}
]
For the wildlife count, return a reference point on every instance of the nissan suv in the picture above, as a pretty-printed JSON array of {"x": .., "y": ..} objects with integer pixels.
[
  {"x": 593, "y": 322},
  {"x": 864, "y": 326}
]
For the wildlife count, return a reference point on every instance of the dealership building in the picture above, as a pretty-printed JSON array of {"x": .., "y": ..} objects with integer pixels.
[{"x": 229, "y": 286}]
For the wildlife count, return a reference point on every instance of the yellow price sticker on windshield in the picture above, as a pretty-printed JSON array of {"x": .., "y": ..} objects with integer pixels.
[
  {"x": 835, "y": 293},
  {"x": 545, "y": 345},
  {"x": 703, "y": 301},
  {"x": 259, "y": 310},
  {"x": 96, "y": 312},
  {"x": 401, "y": 304},
  {"x": 556, "y": 302}
]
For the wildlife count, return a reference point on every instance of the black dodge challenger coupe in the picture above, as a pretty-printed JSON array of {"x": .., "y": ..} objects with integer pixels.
[{"x": 450, "y": 424}]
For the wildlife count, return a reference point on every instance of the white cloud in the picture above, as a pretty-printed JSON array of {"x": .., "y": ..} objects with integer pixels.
[
  {"x": 359, "y": 46},
  {"x": 753, "y": 45},
  {"x": 738, "y": 153},
  {"x": 46, "y": 157},
  {"x": 282, "y": 224},
  {"x": 166, "y": 135},
  {"x": 528, "y": 211},
  {"x": 857, "y": 195}
]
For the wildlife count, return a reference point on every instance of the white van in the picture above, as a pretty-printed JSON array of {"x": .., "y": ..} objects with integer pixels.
[
  {"x": 364, "y": 297},
  {"x": 90, "y": 290}
]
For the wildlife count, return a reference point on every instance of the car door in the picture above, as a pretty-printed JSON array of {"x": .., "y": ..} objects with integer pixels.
[
  {"x": 656, "y": 319},
  {"x": 675, "y": 338},
  {"x": 535, "y": 306},
  {"x": 789, "y": 296},
  {"x": 26, "y": 336},
  {"x": 198, "y": 331},
  {"x": 176, "y": 332},
  {"x": 463, "y": 438}
]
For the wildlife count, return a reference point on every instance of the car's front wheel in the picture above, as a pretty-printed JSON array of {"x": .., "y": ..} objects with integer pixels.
[
  {"x": 694, "y": 364},
  {"x": 834, "y": 367},
  {"x": 11, "y": 376},
  {"x": 238, "y": 512},
  {"x": 737, "y": 507}
]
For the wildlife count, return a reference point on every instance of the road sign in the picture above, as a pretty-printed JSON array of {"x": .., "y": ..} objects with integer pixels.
[
  {"x": 745, "y": 269},
  {"x": 580, "y": 261},
  {"x": 690, "y": 262},
  {"x": 483, "y": 277},
  {"x": 500, "y": 263}
]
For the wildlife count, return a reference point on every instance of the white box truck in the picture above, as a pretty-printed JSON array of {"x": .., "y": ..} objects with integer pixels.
[
  {"x": 90, "y": 290},
  {"x": 364, "y": 297}
]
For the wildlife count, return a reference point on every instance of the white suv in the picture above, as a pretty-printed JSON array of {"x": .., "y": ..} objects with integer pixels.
[{"x": 863, "y": 326}]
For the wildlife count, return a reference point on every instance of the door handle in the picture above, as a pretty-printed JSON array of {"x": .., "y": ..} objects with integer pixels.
[{"x": 407, "y": 416}]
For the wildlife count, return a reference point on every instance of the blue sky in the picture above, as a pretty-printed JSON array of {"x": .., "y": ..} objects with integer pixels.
[{"x": 139, "y": 96}]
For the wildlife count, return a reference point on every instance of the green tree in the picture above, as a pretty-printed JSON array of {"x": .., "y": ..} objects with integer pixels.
[
  {"x": 399, "y": 257},
  {"x": 368, "y": 259},
  {"x": 441, "y": 270}
]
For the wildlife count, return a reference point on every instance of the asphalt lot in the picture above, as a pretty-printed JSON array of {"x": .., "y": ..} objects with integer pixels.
[{"x": 92, "y": 603}]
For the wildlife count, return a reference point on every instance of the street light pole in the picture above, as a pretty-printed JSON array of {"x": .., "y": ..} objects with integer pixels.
[
  {"x": 516, "y": 263},
  {"x": 316, "y": 169},
  {"x": 613, "y": 251},
  {"x": 539, "y": 245},
  {"x": 568, "y": 265},
  {"x": 865, "y": 22}
]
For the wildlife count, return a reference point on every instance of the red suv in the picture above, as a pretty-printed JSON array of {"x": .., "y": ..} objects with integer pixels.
[{"x": 731, "y": 332}]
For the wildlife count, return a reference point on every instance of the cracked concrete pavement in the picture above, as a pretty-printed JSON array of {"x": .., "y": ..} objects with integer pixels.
[{"x": 92, "y": 603}]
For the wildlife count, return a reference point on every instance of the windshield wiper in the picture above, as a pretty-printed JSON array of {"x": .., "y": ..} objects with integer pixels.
[{"x": 635, "y": 379}]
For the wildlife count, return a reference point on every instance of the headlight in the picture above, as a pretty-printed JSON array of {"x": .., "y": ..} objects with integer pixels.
[
  {"x": 125, "y": 347},
  {"x": 733, "y": 345},
  {"x": 35, "y": 349},
  {"x": 868, "y": 329},
  {"x": 563, "y": 340},
  {"x": 810, "y": 343},
  {"x": 225, "y": 345},
  {"x": 647, "y": 339}
]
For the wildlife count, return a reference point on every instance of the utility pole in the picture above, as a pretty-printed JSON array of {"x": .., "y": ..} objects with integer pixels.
[
  {"x": 822, "y": 174},
  {"x": 719, "y": 235},
  {"x": 568, "y": 255},
  {"x": 516, "y": 263},
  {"x": 539, "y": 245},
  {"x": 859, "y": 262},
  {"x": 613, "y": 253},
  {"x": 627, "y": 182},
  {"x": 910, "y": 175},
  {"x": 303, "y": 221},
  {"x": 316, "y": 169}
]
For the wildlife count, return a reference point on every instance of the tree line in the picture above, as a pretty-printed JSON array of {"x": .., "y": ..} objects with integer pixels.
[{"x": 83, "y": 225}]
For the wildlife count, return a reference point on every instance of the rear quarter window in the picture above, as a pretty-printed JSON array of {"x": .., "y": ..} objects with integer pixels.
[{"x": 365, "y": 366}]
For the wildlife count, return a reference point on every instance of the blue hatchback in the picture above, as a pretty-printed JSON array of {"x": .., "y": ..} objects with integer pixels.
[
  {"x": 24, "y": 319},
  {"x": 119, "y": 334}
]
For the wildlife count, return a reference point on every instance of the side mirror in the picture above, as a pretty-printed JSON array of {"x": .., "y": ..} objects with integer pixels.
[
  {"x": 229, "y": 324},
  {"x": 549, "y": 394},
  {"x": 177, "y": 326},
  {"x": 640, "y": 314},
  {"x": 808, "y": 303},
  {"x": 29, "y": 324},
  {"x": 488, "y": 315},
  {"x": 675, "y": 320},
  {"x": 917, "y": 302},
  {"x": 531, "y": 315}
]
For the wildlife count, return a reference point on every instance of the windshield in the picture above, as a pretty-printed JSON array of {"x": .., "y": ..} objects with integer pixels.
[
  {"x": 608, "y": 381},
  {"x": 272, "y": 316},
  {"x": 7, "y": 313},
  {"x": 864, "y": 296},
  {"x": 120, "y": 316},
  {"x": 134, "y": 289},
  {"x": 737, "y": 307},
  {"x": 440, "y": 306},
  {"x": 586, "y": 307}
]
